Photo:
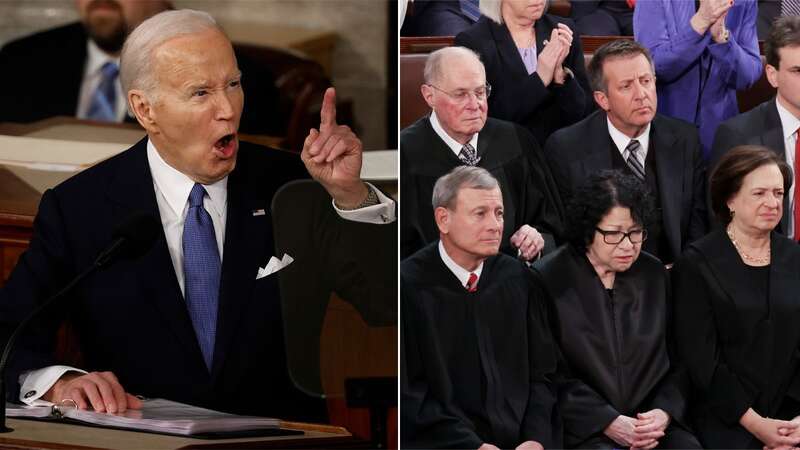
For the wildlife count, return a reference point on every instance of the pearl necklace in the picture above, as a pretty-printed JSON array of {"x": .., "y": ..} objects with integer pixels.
[{"x": 745, "y": 256}]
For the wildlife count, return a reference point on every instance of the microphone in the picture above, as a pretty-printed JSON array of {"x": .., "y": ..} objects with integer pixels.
[{"x": 131, "y": 238}]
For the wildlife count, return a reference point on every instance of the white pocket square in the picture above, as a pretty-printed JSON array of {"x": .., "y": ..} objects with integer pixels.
[{"x": 274, "y": 265}]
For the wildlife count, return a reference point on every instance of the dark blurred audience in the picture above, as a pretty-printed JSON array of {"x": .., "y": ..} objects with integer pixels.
[
  {"x": 603, "y": 17},
  {"x": 439, "y": 17},
  {"x": 704, "y": 52},
  {"x": 73, "y": 70}
]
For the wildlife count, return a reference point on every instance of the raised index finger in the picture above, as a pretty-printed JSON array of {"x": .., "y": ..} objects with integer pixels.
[{"x": 328, "y": 110}]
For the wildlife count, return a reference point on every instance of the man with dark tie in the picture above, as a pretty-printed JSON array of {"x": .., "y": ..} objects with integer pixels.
[
  {"x": 627, "y": 134},
  {"x": 73, "y": 70},
  {"x": 457, "y": 132},
  {"x": 192, "y": 319},
  {"x": 476, "y": 353},
  {"x": 774, "y": 123}
]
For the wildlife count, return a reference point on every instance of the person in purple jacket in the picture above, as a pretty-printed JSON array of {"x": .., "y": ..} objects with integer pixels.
[{"x": 704, "y": 51}]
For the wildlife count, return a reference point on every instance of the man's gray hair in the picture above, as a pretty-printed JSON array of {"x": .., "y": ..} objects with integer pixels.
[
  {"x": 447, "y": 186},
  {"x": 493, "y": 9},
  {"x": 434, "y": 65},
  {"x": 136, "y": 69}
]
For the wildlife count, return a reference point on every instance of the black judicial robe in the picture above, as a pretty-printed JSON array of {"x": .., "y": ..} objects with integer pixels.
[
  {"x": 614, "y": 356},
  {"x": 475, "y": 367},
  {"x": 508, "y": 151},
  {"x": 739, "y": 341}
]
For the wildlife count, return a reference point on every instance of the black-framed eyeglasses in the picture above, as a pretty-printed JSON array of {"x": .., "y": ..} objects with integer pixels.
[
  {"x": 463, "y": 95},
  {"x": 615, "y": 237}
]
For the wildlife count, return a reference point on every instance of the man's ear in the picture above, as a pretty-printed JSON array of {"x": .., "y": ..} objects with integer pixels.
[
  {"x": 427, "y": 94},
  {"x": 601, "y": 99},
  {"x": 772, "y": 75},
  {"x": 143, "y": 109},
  {"x": 442, "y": 216}
]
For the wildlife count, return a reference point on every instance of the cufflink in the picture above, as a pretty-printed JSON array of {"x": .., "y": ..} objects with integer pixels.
[{"x": 30, "y": 394}]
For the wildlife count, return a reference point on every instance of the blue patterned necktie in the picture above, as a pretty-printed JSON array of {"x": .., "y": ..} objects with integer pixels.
[
  {"x": 471, "y": 9},
  {"x": 790, "y": 7},
  {"x": 103, "y": 106},
  {"x": 633, "y": 159},
  {"x": 201, "y": 269}
]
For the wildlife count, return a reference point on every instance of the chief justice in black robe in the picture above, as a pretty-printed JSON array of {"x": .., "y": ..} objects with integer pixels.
[
  {"x": 609, "y": 315},
  {"x": 476, "y": 356}
]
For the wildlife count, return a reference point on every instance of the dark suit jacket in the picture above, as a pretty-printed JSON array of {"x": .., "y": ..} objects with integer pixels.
[
  {"x": 435, "y": 18},
  {"x": 768, "y": 11},
  {"x": 131, "y": 317},
  {"x": 43, "y": 72},
  {"x": 575, "y": 153},
  {"x": 522, "y": 98},
  {"x": 759, "y": 126},
  {"x": 738, "y": 342}
]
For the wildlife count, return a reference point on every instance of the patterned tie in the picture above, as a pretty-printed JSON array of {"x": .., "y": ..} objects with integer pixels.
[
  {"x": 472, "y": 282},
  {"x": 631, "y": 3},
  {"x": 471, "y": 9},
  {"x": 103, "y": 106},
  {"x": 796, "y": 187},
  {"x": 201, "y": 268},
  {"x": 790, "y": 7},
  {"x": 468, "y": 155},
  {"x": 633, "y": 158}
]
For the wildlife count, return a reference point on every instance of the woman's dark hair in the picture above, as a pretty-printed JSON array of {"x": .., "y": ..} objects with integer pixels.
[
  {"x": 599, "y": 195},
  {"x": 729, "y": 173}
]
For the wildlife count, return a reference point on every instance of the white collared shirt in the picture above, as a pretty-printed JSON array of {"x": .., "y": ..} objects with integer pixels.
[
  {"x": 452, "y": 143},
  {"x": 461, "y": 273},
  {"x": 92, "y": 75},
  {"x": 789, "y": 125},
  {"x": 621, "y": 140}
]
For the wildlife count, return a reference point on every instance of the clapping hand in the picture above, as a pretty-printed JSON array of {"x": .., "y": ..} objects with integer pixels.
[
  {"x": 332, "y": 156},
  {"x": 554, "y": 53},
  {"x": 709, "y": 13}
]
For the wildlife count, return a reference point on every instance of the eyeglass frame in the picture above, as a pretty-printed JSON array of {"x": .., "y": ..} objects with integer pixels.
[
  {"x": 628, "y": 235},
  {"x": 467, "y": 96}
]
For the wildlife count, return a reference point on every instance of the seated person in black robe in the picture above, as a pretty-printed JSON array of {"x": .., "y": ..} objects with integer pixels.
[
  {"x": 455, "y": 88},
  {"x": 609, "y": 315},
  {"x": 476, "y": 356}
]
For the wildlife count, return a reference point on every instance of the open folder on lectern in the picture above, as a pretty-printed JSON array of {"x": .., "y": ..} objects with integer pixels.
[{"x": 158, "y": 416}]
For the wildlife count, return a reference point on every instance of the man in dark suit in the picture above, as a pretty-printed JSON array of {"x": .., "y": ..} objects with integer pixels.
[
  {"x": 439, "y": 17},
  {"x": 73, "y": 70},
  {"x": 477, "y": 358},
  {"x": 627, "y": 134},
  {"x": 773, "y": 123},
  {"x": 196, "y": 318},
  {"x": 457, "y": 132}
]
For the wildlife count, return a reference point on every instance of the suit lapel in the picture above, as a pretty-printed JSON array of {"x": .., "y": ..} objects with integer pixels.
[
  {"x": 132, "y": 190},
  {"x": 507, "y": 50},
  {"x": 598, "y": 155},
  {"x": 772, "y": 137},
  {"x": 246, "y": 235},
  {"x": 669, "y": 170}
]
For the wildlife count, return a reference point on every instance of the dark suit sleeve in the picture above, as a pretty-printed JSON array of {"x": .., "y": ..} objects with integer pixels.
[
  {"x": 543, "y": 207},
  {"x": 725, "y": 139},
  {"x": 698, "y": 343},
  {"x": 558, "y": 166},
  {"x": 575, "y": 96},
  {"x": 516, "y": 101},
  {"x": 698, "y": 226},
  {"x": 425, "y": 420},
  {"x": 542, "y": 421},
  {"x": 41, "y": 271}
]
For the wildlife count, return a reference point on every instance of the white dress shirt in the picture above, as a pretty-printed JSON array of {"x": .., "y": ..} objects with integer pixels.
[
  {"x": 789, "y": 125},
  {"x": 172, "y": 190},
  {"x": 461, "y": 273},
  {"x": 92, "y": 75},
  {"x": 621, "y": 140},
  {"x": 452, "y": 143}
]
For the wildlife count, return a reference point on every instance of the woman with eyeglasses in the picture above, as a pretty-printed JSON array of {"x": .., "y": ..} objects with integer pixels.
[
  {"x": 737, "y": 309},
  {"x": 534, "y": 63},
  {"x": 609, "y": 314}
]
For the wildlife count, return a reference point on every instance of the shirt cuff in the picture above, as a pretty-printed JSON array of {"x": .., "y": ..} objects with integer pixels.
[
  {"x": 35, "y": 383},
  {"x": 382, "y": 213}
]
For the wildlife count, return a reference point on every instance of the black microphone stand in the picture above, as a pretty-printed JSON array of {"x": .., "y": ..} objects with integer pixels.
[{"x": 101, "y": 261}]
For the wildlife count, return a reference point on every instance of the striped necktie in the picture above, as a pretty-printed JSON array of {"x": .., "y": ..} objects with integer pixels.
[
  {"x": 633, "y": 159},
  {"x": 790, "y": 7},
  {"x": 471, "y": 9},
  {"x": 472, "y": 282},
  {"x": 103, "y": 106},
  {"x": 468, "y": 155}
]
